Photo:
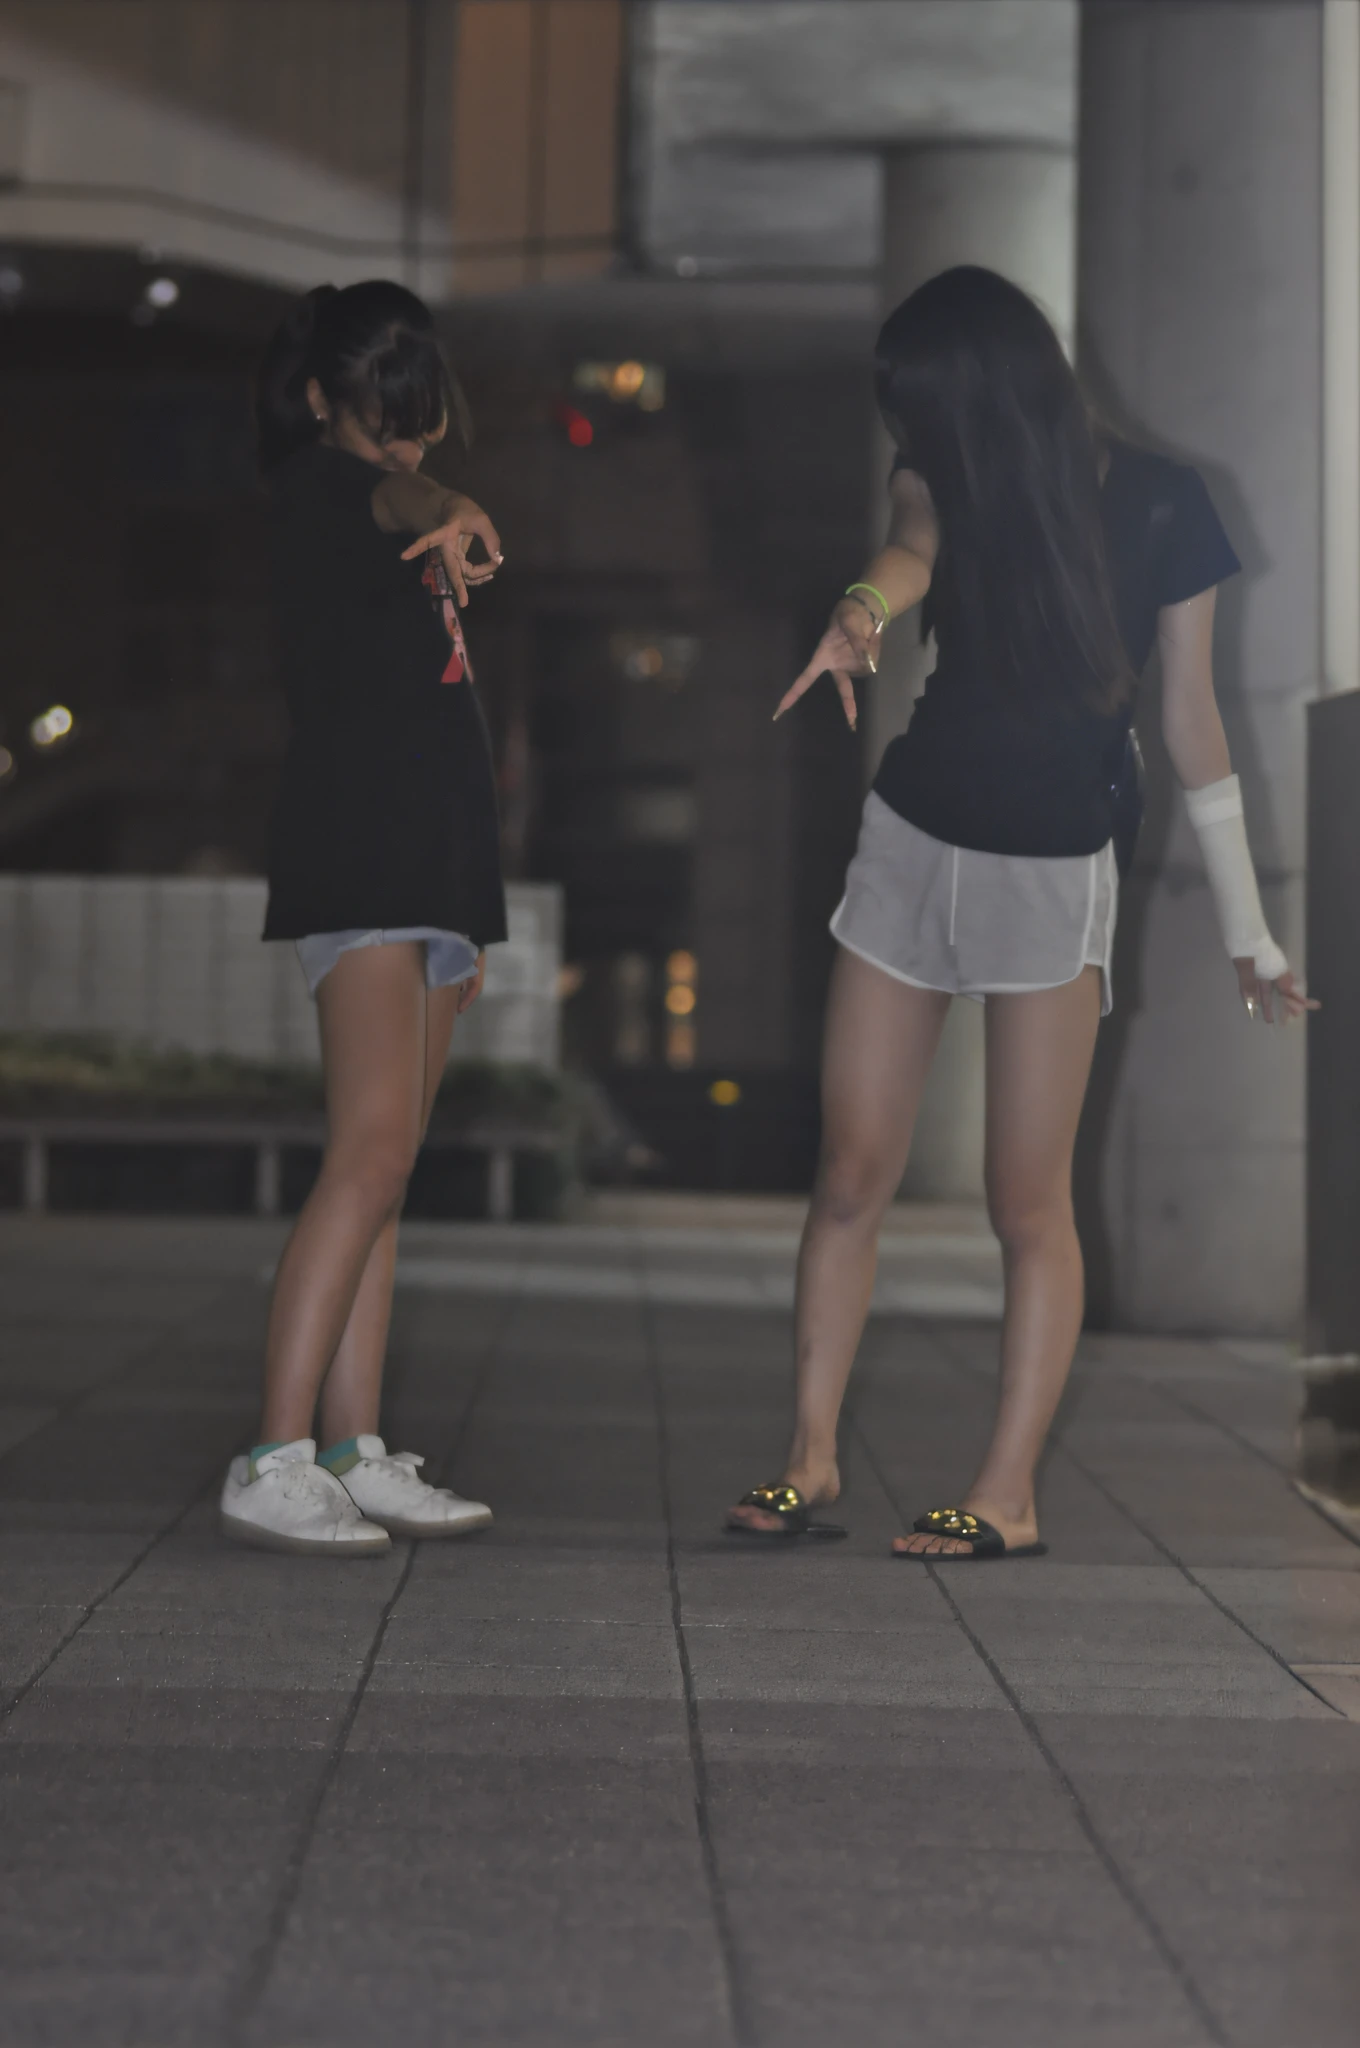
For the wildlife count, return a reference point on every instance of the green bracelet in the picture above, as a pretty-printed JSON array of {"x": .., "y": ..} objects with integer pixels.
[{"x": 887, "y": 608}]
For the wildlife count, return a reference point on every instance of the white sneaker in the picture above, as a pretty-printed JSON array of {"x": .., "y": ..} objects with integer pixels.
[
  {"x": 294, "y": 1504},
  {"x": 387, "y": 1488}
]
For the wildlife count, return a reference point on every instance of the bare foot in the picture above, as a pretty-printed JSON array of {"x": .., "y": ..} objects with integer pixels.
[
  {"x": 1018, "y": 1530},
  {"x": 818, "y": 1484}
]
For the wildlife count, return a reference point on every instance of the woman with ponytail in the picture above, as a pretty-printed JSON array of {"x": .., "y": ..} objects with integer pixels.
[{"x": 384, "y": 871}]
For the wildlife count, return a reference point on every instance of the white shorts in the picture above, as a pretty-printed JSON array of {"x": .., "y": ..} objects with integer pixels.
[
  {"x": 449, "y": 957},
  {"x": 974, "y": 924}
]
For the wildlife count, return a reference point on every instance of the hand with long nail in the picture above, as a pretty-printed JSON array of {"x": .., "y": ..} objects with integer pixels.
[
  {"x": 849, "y": 647},
  {"x": 463, "y": 523}
]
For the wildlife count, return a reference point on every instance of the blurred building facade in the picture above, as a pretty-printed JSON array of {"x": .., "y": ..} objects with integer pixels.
[{"x": 661, "y": 235}]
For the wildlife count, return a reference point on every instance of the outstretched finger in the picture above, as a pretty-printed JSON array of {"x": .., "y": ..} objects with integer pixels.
[
  {"x": 1295, "y": 997},
  {"x": 847, "y": 696},
  {"x": 797, "y": 689},
  {"x": 424, "y": 544},
  {"x": 829, "y": 649}
]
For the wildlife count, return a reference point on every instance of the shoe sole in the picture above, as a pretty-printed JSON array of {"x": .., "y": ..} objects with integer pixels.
[
  {"x": 419, "y": 1532},
  {"x": 236, "y": 1530}
]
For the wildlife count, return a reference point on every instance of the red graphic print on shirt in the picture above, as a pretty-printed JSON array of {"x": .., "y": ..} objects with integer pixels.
[{"x": 436, "y": 581}]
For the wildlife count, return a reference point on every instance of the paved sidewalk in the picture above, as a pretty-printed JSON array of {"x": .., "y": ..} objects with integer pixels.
[{"x": 606, "y": 1777}]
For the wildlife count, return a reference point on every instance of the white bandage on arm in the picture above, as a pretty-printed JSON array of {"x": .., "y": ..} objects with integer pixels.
[{"x": 1221, "y": 827}]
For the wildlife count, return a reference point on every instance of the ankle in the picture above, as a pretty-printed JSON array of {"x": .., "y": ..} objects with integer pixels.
[
  {"x": 342, "y": 1457},
  {"x": 811, "y": 1457},
  {"x": 1012, "y": 1503},
  {"x": 816, "y": 1476}
]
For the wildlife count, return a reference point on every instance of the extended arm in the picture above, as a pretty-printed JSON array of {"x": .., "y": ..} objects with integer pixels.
[
  {"x": 406, "y": 502},
  {"x": 1195, "y": 740},
  {"x": 898, "y": 577}
]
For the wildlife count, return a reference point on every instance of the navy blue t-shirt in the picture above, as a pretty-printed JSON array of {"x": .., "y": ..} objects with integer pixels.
[{"x": 984, "y": 766}]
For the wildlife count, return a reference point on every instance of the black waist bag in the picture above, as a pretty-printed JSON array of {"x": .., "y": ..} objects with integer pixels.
[{"x": 1127, "y": 790}]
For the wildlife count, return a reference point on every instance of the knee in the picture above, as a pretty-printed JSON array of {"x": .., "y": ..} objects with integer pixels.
[
  {"x": 852, "y": 1186},
  {"x": 375, "y": 1173},
  {"x": 1026, "y": 1220}
]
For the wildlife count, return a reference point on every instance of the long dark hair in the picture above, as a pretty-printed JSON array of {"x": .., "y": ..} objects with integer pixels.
[
  {"x": 374, "y": 350},
  {"x": 976, "y": 391}
]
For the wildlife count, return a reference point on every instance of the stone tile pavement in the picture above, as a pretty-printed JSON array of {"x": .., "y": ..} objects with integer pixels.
[{"x": 607, "y": 1777}]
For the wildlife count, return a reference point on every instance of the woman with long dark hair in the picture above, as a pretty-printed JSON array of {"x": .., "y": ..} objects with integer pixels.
[
  {"x": 384, "y": 870},
  {"x": 1048, "y": 560}
]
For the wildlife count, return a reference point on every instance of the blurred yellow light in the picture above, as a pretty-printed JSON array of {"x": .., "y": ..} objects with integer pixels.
[
  {"x": 724, "y": 1094},
  {"x": 6, "y": 763},
  {"x": 680, "y": 1001},
  {"x": 682, "y": 967},
  {"x": 53, "y": 725},
  {"x": 627, "y": 380}
]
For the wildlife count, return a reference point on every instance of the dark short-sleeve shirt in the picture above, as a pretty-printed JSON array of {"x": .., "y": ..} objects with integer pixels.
[
  {"x": 386, "y": 810},
  {"x": 1002, "y": 770}
]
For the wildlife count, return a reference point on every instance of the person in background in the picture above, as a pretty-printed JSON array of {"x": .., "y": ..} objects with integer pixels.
[
  {"x": 1048, "y": 558},
  {"x": 384, "y": 870}
]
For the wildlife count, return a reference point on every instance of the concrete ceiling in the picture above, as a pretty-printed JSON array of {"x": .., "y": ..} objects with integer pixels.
[{"x": 759, "y": 123}]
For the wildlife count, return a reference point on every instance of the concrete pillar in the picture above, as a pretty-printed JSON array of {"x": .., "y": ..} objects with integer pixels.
[
  {"x": 1011, "y": 208},
  {"x": 1200, "y": 297},
  {"x": 1341, "y": 344}
]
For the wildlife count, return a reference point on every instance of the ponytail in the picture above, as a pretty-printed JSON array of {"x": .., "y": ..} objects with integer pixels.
[
  {"x": 374, "y": 350},
  {"x": 283, "y": 419}
]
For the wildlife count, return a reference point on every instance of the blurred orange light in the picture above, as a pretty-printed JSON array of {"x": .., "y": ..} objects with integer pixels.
[
  {"x": 724, "y": 1093},
  {"x": 627, "y": 380},
  {"x": 680, "y": 1001},
  {"x": 682, "y": 967}
]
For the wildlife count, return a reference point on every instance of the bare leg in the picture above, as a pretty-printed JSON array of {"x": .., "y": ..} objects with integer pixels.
[
  {"x": 1039, "y": 1050},
  {"x": 881, "y": 1036},
  {"x": 352, "y": 1390},
  {"x": 372, "y": 1011}
]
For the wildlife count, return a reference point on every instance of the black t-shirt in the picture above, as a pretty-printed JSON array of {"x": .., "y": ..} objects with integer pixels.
[
  {"x": 985, "y": 766},
  {"x": 386, "y": 815}
]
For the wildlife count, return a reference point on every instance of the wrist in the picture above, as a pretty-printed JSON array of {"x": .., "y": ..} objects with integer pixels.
[
  {"x": 873, "y": 602},
  {"x": 856, "y": 624}
]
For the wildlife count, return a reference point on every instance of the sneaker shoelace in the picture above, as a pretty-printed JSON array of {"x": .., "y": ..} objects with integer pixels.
[
  {"x": 401, "y": 1466},
  {"x": 306, "y": 1484}
]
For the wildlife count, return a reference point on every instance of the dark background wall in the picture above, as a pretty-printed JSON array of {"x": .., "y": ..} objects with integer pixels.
[{"x": 710, "y": 534}]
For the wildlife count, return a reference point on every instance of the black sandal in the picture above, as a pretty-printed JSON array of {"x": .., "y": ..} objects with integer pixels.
[
  {"x": 983, "y": 1540},
  {"x": 795, "y": 1516}
]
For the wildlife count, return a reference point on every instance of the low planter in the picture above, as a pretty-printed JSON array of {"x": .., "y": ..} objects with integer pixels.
[{"x": 64, "y": 1100}]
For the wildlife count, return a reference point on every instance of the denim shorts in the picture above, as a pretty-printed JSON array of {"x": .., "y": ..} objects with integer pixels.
[{"x": 449, "y": 957}]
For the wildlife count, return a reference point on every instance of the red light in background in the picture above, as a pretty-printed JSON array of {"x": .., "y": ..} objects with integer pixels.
[{"x": 580, "y": 432}]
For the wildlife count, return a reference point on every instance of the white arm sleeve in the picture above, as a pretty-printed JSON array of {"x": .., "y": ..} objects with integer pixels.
[{"x": 1217, "y": 816}]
